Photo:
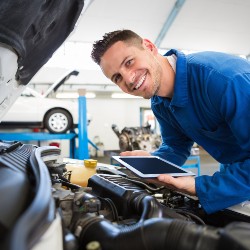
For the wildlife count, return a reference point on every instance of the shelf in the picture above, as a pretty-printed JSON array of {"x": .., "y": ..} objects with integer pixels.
[
  {"x": 20, "y": 136},
  {"x": 23, "y": 136}
]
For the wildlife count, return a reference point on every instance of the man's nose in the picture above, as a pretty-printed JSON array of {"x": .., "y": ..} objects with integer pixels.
[{"x": 129, "y": 77}]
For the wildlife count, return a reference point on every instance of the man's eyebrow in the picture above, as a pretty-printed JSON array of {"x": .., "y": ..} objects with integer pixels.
[{"x": 113, "y": 76}]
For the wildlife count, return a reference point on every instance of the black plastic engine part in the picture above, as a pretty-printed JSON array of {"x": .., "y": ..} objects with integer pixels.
[{"x": 129, "y": 198}]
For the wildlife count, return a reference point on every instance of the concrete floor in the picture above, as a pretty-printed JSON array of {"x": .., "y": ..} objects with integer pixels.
[{"x": 208, "y": 165}]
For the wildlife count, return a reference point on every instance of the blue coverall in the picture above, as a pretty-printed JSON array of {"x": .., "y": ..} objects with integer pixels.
[{"x": 210, "y": 106}]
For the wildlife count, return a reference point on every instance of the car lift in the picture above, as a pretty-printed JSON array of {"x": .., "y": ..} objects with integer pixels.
[{"x": 82, "y": 151}]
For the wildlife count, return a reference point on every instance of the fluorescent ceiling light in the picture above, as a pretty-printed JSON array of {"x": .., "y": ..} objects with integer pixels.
[
  {"x": 74, "y": 95},
  {"x": 90, "y": 95},
  {"x": 123, "y": 95}
]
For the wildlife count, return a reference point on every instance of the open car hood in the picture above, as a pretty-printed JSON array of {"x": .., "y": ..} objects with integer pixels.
[
  {"x": 54, "y": 87},
  {"x": 30, "y": 32}
]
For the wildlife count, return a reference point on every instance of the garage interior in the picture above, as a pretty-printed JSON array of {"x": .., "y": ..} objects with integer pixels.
[
  {"x": 108, "y": 120},
  {"x": 189, "y": 26}
]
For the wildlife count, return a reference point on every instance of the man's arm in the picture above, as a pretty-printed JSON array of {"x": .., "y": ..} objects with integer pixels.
[
  {"x": 231, "y": 101},
  {"x": 175, "y": 145}
]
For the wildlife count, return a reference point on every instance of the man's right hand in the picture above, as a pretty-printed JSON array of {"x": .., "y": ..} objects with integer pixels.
[
  {"x": 135, "y": 153},
  {"x": 184, "y": 184}
]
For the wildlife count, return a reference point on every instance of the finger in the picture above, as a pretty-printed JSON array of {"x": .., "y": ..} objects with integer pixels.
[
  {"x": 168, "y": 179},
  {"x": 126, "y": 153},
  {"x": 160, "y": 183}
]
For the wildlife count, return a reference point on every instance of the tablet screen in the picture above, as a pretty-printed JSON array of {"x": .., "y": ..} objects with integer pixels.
[{"x": 152, "y": 165}]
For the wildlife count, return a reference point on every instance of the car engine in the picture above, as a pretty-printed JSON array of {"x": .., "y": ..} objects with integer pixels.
[
  {"x": 136, "y": 138},
  {"x": 41, "y": 208}
]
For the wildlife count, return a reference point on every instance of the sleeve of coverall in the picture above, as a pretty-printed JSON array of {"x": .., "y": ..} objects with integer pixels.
[
  {"x": 231, "y": 187},
  {"x": 175, "y": 145}
]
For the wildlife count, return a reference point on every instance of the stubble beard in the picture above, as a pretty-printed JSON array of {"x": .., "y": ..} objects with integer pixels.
[{"x": 156, "y": 81}]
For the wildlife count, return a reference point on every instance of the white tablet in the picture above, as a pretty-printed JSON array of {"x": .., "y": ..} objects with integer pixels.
[{"x": 151, "y": 166}]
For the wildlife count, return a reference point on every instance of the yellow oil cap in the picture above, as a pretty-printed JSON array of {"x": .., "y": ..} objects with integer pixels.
[{"x": 90, "y": 163}]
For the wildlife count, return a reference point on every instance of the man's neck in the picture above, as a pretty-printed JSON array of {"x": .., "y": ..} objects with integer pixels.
[{"x": 167, "y": 85}]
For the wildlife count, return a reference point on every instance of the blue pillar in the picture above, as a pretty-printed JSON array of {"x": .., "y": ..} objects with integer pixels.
[{"x": 83, "y": 152}]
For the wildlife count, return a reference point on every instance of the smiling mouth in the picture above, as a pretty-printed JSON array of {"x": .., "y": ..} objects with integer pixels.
[{"x": 138, "y": 85}]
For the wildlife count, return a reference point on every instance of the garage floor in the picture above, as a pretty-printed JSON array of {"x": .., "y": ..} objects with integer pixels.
[{"x": 208, "y": 165}]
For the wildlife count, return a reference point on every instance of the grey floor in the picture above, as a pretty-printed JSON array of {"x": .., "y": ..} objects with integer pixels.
[{"x": 208, "y": 165}]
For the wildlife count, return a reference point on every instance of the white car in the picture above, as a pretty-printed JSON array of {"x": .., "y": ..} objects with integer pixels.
[{"x": 35, "y": 110}]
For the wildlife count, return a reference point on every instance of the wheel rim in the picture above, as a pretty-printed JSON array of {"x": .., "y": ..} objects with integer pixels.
[{"x": 58, "y": 122}]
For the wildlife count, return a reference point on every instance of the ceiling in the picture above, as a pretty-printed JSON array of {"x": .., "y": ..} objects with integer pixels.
[{"x": 189, "y": 25}]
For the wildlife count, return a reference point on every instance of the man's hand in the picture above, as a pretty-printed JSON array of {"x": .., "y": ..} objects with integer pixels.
[
  {"x": 185, "y": 184},
  {"x": 135, "y": 153}
]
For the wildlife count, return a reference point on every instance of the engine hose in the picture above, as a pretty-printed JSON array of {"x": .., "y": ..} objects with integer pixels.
[
  {"x": 155, "y": 233},
  {"x": 149, "y": 207}
]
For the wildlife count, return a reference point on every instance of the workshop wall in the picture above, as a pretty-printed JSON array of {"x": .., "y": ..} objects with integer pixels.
[{"x": 107, "y": 111}]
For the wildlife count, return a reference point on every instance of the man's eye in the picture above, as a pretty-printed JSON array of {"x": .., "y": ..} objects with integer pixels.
[
  {"x": 117, "y": 78},
  {"x": 129, "y": 62}
]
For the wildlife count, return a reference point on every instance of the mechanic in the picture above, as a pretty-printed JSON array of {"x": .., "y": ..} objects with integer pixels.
[{"x": 201, "y": 97}]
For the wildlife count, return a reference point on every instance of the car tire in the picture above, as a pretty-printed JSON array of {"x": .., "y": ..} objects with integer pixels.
[{"x": 58, "y": 121}]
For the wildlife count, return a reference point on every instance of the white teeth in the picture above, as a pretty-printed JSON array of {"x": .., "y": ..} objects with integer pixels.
[{"x": 138, "y": 85}]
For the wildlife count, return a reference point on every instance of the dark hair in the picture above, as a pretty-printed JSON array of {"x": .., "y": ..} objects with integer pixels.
[{"x": 101, "y": 46}]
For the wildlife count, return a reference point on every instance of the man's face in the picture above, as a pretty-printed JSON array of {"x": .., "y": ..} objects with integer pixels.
[{"x": 135, "y": 70}]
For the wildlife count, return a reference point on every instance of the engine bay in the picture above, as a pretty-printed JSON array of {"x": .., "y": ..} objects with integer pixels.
[{"x": 114, "y": 211}]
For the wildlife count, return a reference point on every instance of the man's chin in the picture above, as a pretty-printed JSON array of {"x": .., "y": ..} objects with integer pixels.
[
  {"x": 143, "y": 95},
  {"x": 148, "y": 96}
]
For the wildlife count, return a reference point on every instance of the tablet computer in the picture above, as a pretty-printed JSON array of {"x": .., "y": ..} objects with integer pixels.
[{"x": 151, "y": 166}]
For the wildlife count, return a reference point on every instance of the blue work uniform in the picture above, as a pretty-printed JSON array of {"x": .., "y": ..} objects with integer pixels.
[{"x": 210, "y": 106}]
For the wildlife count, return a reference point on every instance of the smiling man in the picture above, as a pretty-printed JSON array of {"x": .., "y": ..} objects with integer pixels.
[{"x": 202, "y": 97}]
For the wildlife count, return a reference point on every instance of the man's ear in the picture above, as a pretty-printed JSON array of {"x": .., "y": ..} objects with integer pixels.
[{"x": 147, "y": 44}]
